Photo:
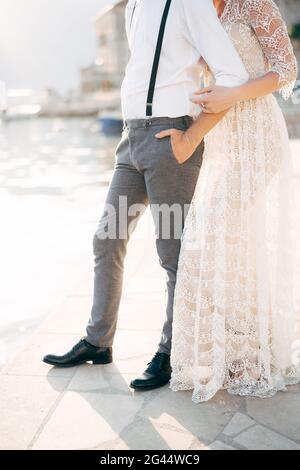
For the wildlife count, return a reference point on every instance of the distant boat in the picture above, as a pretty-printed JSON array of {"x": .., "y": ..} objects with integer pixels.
[
  {"x": 20, "y": 112},
  {"x": 111, "y": 123},
  {"x": 69, "y": 109}
]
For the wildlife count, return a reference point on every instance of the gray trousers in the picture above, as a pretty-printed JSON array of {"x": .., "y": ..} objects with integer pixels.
[{"x": 146, "y": 172}]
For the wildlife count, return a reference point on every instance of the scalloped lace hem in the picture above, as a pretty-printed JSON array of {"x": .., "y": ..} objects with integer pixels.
[{"x": 264, "y": 388}]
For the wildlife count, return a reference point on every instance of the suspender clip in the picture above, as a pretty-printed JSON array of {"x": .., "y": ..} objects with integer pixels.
[
  {"x": 148, "y": 122},
  {"x": 149, "y": 110}
]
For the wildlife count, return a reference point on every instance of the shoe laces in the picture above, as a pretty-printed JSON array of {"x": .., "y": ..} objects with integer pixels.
[
  {"x": 155, "y": 357},
  {"x": 78, "y": 345}
]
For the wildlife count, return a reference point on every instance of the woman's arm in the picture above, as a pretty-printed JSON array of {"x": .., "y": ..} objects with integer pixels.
[
  {"x": 215, "y": 99},
  {"x": 259, "y": 87},
  {"x": 270, "y": 29}
]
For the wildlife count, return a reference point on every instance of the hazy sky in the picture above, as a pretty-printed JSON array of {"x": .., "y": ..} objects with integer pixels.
[{"x": 43, "y": 43}]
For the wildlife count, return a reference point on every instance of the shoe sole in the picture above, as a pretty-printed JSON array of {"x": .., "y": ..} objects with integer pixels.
[
  {"x": 66, "y": 366},
  {"x": 148, "y": 388}
]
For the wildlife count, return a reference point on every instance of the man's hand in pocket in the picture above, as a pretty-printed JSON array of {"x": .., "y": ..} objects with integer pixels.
[{"x": 182, "y": 146}]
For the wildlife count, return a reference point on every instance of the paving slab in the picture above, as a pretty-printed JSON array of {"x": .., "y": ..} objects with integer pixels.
[
  {"x": 261, "y": 438},
  {"x": 218, "y": 445},
  {"x": 280, "y": 413},
  {"x": 239, "y": 423},
  {"x": 205, "y": 421},
  {"x": 92, "y": 378},
  {"x": 70, "y": 317},
  {"x": 87, "y": 420},
  {"x": 24, "y": 405},
  {"x": 146, "y": 434},
  {"x": 132, "y": 344},
  {"x": 29, "y": 361}
]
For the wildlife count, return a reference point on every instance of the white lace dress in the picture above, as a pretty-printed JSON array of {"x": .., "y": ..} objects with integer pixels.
[{"x": 234, "y": 319}]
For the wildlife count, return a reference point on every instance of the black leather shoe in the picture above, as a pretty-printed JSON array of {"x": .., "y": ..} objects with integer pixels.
[
  {"x": 157, "y": 374},
  {"x": 81, "y": 353}
]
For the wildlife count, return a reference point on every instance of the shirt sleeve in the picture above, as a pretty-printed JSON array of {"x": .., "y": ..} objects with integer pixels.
[
  {"x": 271, "y": 31},
  {"x": 204, "y": 30}
]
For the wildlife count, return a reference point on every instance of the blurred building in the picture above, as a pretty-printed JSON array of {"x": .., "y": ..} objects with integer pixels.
[
  {"x": 108, "y": 71},
  {"x": 91, "y": 79},
  {"x": 290, "y": 10}
]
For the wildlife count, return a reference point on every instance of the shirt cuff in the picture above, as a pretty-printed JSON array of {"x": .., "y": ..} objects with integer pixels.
[{"x": 231, "y": 81}]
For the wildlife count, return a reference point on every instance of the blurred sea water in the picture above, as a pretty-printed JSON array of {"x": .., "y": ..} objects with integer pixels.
[{"x": 54, "y": 175}]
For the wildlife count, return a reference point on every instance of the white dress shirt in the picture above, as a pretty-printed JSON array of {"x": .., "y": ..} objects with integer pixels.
[{"x": 193, "y": 31}]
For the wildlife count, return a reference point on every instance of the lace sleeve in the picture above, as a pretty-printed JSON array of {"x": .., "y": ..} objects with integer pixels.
[{"x": 270, "y": 28}]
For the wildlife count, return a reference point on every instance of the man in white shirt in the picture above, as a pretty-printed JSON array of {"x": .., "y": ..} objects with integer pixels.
[{"x": 159, "y": 172}]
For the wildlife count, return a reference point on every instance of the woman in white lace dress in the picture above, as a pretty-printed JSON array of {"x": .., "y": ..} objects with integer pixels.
[{"x": 234, "y": 320}]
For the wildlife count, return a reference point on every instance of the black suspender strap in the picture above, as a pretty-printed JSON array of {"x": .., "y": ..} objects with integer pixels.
[{"x": 156, "y": 59}]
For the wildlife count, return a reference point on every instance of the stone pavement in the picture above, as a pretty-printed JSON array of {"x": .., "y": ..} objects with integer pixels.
[{"x": 91, "y": 407}]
